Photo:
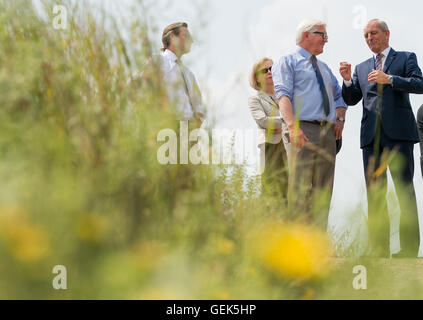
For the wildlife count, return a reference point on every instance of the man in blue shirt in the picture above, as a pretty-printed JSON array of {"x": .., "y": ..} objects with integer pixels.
[{"x": 311, "y": 103}]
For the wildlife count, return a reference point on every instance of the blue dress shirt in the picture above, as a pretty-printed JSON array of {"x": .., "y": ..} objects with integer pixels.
[{"x": 295, "y": 78}]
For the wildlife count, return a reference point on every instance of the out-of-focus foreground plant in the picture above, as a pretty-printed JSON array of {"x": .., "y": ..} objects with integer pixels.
[{"x": 82, "y": 187}]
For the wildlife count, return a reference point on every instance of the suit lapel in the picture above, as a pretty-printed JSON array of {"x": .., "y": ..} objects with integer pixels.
[
  {"x": 269, "y": 100},
  {"x": 391, "y": 57},
  {"x": 371, "y": 63},
  {"x": 265, "y": 97}
]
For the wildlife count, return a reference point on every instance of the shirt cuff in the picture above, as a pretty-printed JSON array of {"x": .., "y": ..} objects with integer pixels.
[
  {"x": 392, "y": 81},
  {"x": 348, "y": 83},
  {"x": 280, "y": 94}
]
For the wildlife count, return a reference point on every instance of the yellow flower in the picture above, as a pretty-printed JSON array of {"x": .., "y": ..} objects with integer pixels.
[
  {"x": 221, "y": 294},
  {"x": 161, "y": 293},
  {"x": 308, "y": 295},
  {"x": 26, "y": 242},
  {"x": 92, "y": 228},
  {"x": 224, "y": 246},
  {"x": 146, "y": 255},
  {"x": 219, "y": 245},
  {"x": 294, "y": 251}
]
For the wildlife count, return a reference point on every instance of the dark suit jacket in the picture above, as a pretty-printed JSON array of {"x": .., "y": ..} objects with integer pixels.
[
  {"x": 398, "y": 121},
  {"x": 420, "y": 127}
]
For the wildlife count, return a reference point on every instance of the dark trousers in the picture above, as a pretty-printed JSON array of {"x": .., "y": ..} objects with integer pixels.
[
  {"x": 399, "y": 157},
  {"x": 275, "y": 175}
]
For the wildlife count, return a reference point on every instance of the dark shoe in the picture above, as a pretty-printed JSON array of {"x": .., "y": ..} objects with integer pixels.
[{"x": 338, "y": 145}]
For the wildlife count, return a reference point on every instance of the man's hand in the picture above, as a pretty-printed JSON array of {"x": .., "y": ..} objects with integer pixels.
[
  {"x": 345, "y": 71},
  {"x": 379, "y": 77},
  {"x": 297, "y": 137},
  {"x": 339, "y": 125},
  {"x": 338, "y": 129}
]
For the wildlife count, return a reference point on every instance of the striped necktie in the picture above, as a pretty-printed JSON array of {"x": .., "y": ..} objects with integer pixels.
[{"x": 378, "y": 63}]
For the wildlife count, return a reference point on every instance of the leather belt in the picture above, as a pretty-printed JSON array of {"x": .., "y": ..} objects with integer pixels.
[{"x": 319, "y": 123}]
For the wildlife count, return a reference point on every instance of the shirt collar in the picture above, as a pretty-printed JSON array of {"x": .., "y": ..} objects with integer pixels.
[
  {"x": 384, "y": 52},
  {"x": 170, "y": 56},
  {"x": 304, "y": 52}
]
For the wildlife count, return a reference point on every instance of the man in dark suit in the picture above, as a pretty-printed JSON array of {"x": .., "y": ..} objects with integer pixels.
[
  {"x": 420, "y": 127},
  {"x": 388, "y": 135}
]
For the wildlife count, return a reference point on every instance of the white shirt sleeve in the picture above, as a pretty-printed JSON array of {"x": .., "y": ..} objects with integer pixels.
[{"x": 348, "y": 83}]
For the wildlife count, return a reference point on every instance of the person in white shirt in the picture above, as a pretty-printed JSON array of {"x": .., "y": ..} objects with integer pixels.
[{"x": 182, "y": 87}]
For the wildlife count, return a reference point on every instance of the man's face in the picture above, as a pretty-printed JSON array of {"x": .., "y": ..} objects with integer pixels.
[
  {"x": 316, "y": 41},
  {"x": 183, "y": 41},
  {"x": 376, "y": 39}
]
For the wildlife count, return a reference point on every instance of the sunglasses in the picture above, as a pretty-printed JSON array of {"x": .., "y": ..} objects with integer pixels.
[{"x": 264, "y": 71}]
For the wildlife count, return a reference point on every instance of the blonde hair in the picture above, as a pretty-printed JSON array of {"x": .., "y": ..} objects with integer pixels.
[{"x": 253, "y": 76}]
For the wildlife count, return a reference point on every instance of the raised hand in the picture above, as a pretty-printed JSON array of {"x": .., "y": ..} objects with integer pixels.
[{"x": 345, "y": 71}]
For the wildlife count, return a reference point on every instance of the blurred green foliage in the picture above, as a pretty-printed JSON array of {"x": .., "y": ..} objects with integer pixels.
[{"x": 81, "y": 185}]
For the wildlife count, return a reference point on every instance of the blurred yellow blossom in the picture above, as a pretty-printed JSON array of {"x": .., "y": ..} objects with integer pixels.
[
  {"x": 26, "y": 242},
  {"x": 293, "y": 251},
  {"x": 92, "y": 227},
  {"x": 308, "y": 295},
  {"x": 146, "y": 255},
  {"x": 162, "y": 293},
  {"x": 222, "y": 294},
  {"x": 224, "y": 246}
]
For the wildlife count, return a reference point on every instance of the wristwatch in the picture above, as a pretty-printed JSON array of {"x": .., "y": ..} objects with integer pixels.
[
  {"x": 340, "y": 119},
  {"x": 391, "y": 80}
]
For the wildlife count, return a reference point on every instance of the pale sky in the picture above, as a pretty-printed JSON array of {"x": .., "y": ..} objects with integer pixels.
[{"x": 238, "y": 32}]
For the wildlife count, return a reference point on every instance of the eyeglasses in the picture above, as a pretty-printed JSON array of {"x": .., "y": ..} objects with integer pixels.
[
  {"x": 264, "y": 71},
  {"x": 324, "y": 35}
]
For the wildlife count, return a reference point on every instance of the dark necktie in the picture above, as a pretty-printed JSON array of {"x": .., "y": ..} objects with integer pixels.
[
  {"x": 326, "y": 104},
  {"x": 184, "y": 81}
]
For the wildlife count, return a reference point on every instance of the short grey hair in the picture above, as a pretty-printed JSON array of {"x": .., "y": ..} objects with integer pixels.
[
  {"x": 382, "y": 24},
  {"x": 308, "y": 26}
]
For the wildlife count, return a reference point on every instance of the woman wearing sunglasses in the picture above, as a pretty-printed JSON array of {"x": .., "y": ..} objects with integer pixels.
[{"x": 273, "y": 139}]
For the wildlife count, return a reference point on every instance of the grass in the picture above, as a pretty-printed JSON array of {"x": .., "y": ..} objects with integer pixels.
[{"x": 81, "y": 185}]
